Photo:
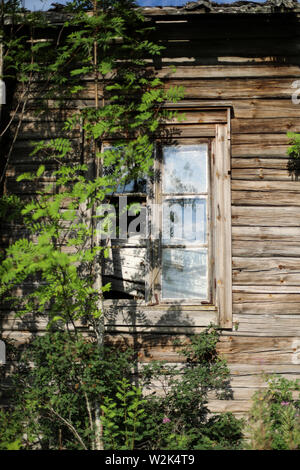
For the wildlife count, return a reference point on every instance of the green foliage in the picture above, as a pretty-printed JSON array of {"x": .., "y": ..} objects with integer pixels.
[
  {"x": 65, "y": 383},
  {"x": 61, "y": 254},
  {"x": 274, "y": 422},
  {"x": 181, "y": 417},
  {"x": 294, "y": 153},
  {"x": 10, "y": 430},
  {"x": 77, "y": 395},
  {"x": 10, "y": 208},
  {"x": 124, "y": 418},
  {"x": 61, "y": 384}
]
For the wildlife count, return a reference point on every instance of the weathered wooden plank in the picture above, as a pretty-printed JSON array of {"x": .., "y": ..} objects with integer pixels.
[
  {"x": 265, "y": 248},
  {"x": 266, "y": 216},
  {"x": 199, "y": 116},
  {"x": 258, "y": 162},
  {"x": 258, "y": 68},
  {"x": 257, "y": 304},
  {"x": 259, "y": 150},
  {"x": 134, "y": 304},
  {"x": 265, "y": 126},
  {"x": 266, "y": 233},
  {"x": 236, "y": 349},
  {"x": 267, "y": 325},
  {"x": 44, "y": 130},
  {"x": 243, "y": 108},
  {"x": 237, "y": 394},
  {"x": 282, "y": 289},
  {"x": 163, "y": 322},
  {"x": 267, "y": 186},
  {"x": 266, "y": 271},
  {"x": 199, "y": 88},
  {"x": 246, "y": 297},
  {"x": 260, "y": 138},
  {"x": 28, "y": 323},
  {"x": 229, "y": 71},
  {"x": 149, "y": 346},
  {"x": 261, "y": 350},
  {"x": 202, "y": 88},
  {"x": 169, "y": 329},
  {"x": 44, "y": 116},
  {"x": 255, "y": 198},
  {"x": 257, "y": 109},
  {"x": 251, "y": 375},
  {"x": 192, "y": 130},
  {"x": 169, "y": 316},
  {"x": 233, "y": 88},
  {"x": 222, "y": 225}
]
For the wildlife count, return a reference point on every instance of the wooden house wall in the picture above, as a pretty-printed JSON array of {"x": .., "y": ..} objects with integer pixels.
[{"x": 247, "y": 63}]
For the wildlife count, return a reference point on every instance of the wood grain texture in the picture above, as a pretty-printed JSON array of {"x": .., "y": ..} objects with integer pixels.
[
  {"x": 266, "y": 216},
  {"x": 266, "y": 271},
  {"x": 229, "y": 71},
  {"x": 222, "y": 225}
]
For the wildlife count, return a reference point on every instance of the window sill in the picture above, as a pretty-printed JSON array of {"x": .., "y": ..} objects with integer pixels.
[{"x": 160, "y": 306}]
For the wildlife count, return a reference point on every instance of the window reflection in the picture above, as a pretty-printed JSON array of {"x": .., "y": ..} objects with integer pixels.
[
  {"x": 185, "y": 169},
  {"x": 184, "y": 222},
  {"x": 184, "y": 273}
]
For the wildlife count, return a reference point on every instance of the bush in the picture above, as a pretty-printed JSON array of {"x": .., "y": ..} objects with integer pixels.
[
  {"x": 80, "y": 396},
  {"x": 180, "y": 418},
  {"x": 274, "y": 422},
  {"x": 57, "y": 402}
]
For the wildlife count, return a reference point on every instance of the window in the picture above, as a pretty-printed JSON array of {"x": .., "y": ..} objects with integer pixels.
[
  {"x": 185, "y": 258},
  {"x": 185, "y": 198},
  {"x": 190, "y": 260}
]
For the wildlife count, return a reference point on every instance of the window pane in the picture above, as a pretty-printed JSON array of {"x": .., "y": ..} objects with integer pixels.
[
  {"x": 184, "y": 220},
  {"x": 133, "y": 186},
  {"x": 128, "y": 185},
  {"x": 185, "y": 169},
  {"x": 184, "y": 274}
]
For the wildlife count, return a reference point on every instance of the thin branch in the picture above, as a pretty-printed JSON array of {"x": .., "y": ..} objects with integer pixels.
[
  {"x": 89, "y": 411},
  {"x": 70, "y": 426}
]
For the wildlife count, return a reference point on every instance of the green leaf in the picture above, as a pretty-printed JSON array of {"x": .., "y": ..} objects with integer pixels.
[{"x": 40, "y": 171}]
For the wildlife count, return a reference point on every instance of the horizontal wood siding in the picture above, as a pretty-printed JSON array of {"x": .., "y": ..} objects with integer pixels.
[{"x": 252, "y": 72}]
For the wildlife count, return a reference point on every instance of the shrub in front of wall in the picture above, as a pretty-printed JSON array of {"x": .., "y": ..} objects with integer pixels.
[{"x": 274, "y": 419}]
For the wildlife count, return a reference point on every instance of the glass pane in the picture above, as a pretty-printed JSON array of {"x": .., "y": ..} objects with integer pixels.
[
  {"x": 133, "y": 186},
  {"x": 184, "y": 220},
  {"x": 185, "y": 169},
  {"x": 129, "y": 185},
  {"x": 184, "y": 273}
]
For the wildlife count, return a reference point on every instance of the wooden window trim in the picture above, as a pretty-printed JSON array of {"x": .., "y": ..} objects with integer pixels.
[{"x": 218, "y": 132}]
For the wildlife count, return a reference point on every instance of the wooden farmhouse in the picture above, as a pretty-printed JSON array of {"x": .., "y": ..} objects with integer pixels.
[{"x": 239, "y": 64}]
